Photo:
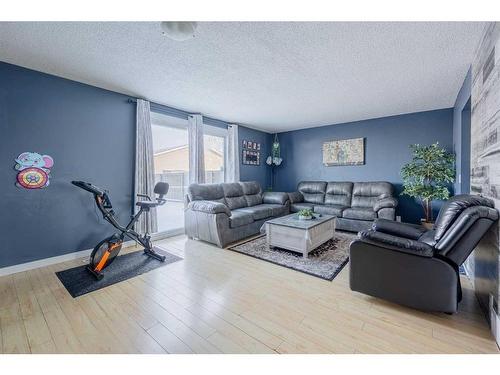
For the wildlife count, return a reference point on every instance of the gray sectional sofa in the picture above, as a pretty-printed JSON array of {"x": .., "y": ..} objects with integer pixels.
[
  {"x": 225, "y": 213},
  {"x": 355, "y": 204}
]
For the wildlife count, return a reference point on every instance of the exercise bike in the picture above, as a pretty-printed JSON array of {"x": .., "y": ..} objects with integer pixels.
[{"x": 106, "y": 251}]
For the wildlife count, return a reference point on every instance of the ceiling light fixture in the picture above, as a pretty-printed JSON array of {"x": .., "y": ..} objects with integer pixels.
[{"x": 178, "y": 31}]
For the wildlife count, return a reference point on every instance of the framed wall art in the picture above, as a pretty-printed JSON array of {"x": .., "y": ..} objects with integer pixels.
[
  {"x": 251, "y": 157},
  {"x": 251, "y": 153},
  {"x": 344, "y": 152}
]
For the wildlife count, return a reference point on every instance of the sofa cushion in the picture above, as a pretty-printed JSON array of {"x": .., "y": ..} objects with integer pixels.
[
  {"x": 275, "y": 197},
  {"x": 206, "y": 192},
  {"x": 252, "y": 192},
  {"x": 240, "y": 218},
  {"x": 296, "y": 197},
  {"x": 233, "y": 193},
  {"x": 407, "y": 230},
  {"x": 313, "y": 191},
  {"x": 295, "y": 207},
  {"x": 339, "y": 193},
  {"x": 236, "y": 202},
  {"x": 261, "y": 211},
  {"x": 365, "y": 194},
  {"x": 359, "y": 213},
  {"x": 253, "y": 200},
  {"x": 404, "y": 245},
  {"x": 250, "y": 187},
  {"x": 276, "y": 209},
  {"x": 232, "y": 189},
  {"x": 330, "y": 209}
]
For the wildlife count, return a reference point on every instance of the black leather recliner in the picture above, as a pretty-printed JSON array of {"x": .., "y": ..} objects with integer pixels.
[{"x": 412, "y": 266}]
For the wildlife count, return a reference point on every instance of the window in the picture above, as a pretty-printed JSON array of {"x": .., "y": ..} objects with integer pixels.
[{"x": 171, "y": 163}]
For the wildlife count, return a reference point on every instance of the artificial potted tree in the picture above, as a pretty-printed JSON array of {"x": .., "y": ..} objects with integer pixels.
[{"x": 428, "y": 176}]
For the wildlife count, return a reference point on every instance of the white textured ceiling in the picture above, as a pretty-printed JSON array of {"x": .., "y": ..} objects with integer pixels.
[{"x": 273, "y": 76}]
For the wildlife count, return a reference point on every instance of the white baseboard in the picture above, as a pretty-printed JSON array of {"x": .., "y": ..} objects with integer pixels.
[
  {"x": 50, "y": 261},
  {"x": 78, "y": 254}
]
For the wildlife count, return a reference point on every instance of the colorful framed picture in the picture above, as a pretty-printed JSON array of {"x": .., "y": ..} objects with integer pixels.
[{"x": 344, "y": 152}]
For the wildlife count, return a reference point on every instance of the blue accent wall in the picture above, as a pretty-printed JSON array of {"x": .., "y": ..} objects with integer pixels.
[
  {"x": 90, "y": 133},
  {"x": 387, "y": 143},
  {"x": 461, "y": 135},
  {"x": 262, "y": 172}
]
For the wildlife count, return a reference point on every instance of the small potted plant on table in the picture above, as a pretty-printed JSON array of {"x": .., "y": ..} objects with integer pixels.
[
  {"x": 305, "y": 214},
  {"x": 428, "y": 176}
]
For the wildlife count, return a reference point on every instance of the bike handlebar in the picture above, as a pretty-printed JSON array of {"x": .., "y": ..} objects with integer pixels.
[{"x": 89, "y": 187}]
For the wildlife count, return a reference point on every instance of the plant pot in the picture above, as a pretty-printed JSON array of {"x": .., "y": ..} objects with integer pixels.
[
  {"x": 427, "y": 224},
  {"x": 305, "y": 217}
]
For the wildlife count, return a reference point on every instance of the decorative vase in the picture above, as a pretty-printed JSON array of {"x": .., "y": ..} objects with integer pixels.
[{"x": 301, "y": 217}]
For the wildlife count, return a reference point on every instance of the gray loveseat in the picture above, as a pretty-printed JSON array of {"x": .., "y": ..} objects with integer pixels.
[
  {"x": 225, "y": 213},
  {"x": 355, "y": 204}
]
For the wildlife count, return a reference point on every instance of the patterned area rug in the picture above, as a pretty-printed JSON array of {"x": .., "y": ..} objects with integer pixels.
[{"x": 324, "y": 262}]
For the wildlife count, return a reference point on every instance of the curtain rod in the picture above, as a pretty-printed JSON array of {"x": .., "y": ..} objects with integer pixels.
[{"x": 179, "y": 113}]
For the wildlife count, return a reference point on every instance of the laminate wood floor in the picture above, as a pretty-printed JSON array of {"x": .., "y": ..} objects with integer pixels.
[{"x": 219, "y": 301}]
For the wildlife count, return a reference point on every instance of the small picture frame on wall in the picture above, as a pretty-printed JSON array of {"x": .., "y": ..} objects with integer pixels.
[
  {"x": 244, "y": 144},
  {"x": 250, "y": 157}
]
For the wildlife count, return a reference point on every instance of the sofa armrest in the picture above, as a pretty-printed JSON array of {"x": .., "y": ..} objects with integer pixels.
[
  {"x": 274, "y": 197},
  {"x": 388, "y": 202},
  {"x": 403, "y": 245},
  {"x": 296, "y": 197},
  {"x": 396, "y": 228},
  {"x": 209, "y": 207}
]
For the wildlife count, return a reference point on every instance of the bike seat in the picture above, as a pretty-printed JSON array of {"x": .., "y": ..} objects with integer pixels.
[{"x": 147, "y": 204}]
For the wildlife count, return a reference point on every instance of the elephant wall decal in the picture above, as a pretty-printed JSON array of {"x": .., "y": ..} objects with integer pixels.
[{"x": 33, "y": 170}]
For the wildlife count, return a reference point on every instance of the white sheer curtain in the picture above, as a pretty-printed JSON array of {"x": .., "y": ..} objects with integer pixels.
[
  {"x": 233, "y": 154},
  {"x": 196, "y": 153},
  {"x": 144, "y": 166}
]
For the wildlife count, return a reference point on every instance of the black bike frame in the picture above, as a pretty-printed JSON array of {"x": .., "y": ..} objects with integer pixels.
[
  {"x": 102, "y": 201},
  {"x": 104, "y": 205}
]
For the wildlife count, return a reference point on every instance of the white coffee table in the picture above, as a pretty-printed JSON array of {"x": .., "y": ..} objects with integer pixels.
[{"x": 302, "y": 236}]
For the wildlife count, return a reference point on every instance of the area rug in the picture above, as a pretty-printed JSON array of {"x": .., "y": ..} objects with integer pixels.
[
  {"x": 78, "y": 281},
  {"x": 324, "y": 262}
]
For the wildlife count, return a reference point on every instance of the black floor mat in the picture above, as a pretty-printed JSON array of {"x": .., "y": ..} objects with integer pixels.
[{"x": 79, "y": 282}]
